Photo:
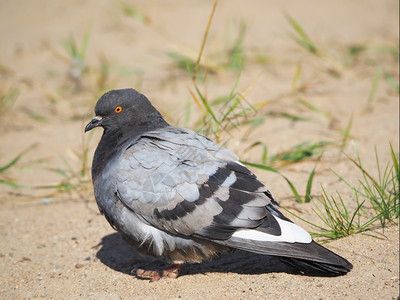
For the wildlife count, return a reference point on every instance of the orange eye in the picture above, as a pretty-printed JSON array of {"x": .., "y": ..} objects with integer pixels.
[{"x": 118, "y": 109}]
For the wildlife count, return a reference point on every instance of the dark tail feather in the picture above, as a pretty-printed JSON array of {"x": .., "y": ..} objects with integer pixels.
[
  {"x": 306, "y": 257},
  {"x": 308, "y": 267}
]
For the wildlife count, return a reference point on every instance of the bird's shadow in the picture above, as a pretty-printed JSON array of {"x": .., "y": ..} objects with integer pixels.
[{"x": 118, "y": 255}]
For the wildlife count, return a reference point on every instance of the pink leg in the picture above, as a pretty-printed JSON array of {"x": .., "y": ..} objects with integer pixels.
[{"x": 171, "y": 272}]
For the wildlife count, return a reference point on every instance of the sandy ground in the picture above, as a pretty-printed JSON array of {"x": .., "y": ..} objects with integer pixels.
[{"x": 55, "y": 245}]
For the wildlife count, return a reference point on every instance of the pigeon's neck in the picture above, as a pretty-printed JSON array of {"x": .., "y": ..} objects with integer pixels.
[{"x": 116, "y": 140}]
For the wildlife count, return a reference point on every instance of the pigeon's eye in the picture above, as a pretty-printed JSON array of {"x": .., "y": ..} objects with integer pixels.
[{"x": 118, "y": 109}]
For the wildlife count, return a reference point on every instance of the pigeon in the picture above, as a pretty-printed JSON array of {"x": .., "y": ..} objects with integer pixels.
[{"x": 176, "y": 195}]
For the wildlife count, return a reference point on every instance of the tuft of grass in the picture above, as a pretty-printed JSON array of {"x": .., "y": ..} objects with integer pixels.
[
  {"x": 34, "y": 115},
  {"x": 222, "y": 113},
  {"x": 225, "y": 113},
  {"x": 382, "y": 192},
  {"x": 306, "y": 198},
  {"x": 314, "y": 108},
  {"x": 72, "y": 179},
  {"x": 264, "y": 155},
  {"x": 352, "y": 54},
  {"x": 78, "y": 57},
  {"x": 188, "y": 64},
  {"x": 4, "y": 177},
  {"x": 296, "y": 77},
  {"x": 231, "y": 58},
  {"x": 392, "y": 82},
  {"x": 382, "y": 195},
  {"x": 103, "y": 74},
  {"x": 339, "y": 221},
  {"x": 301, "y": 152},
  {"x": 130, "y": 11},
  {"x": 346, "y": 134},
  {"x": 235, "y": 53},
  {"x": 302, "y": 37},
  {"x": 289, "y": 116},
  {"x": 356, "y": 50},
  {"x": 7, "y": 98}
]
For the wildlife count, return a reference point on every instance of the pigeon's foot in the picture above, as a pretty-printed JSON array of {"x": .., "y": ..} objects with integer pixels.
[{"x": 171, "y": 272}]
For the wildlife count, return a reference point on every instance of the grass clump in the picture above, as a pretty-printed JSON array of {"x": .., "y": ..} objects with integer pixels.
[
  {"x": 302, "y": 37},
  {"x": 77, "y": 55},
  {"x": 231, "y": 58},
  {"x": 301, "y": 152},
  {"x": 5, "y": 178},
  {"x": 339, "y": 221},
  {"x": 300, "y": 199},
  {"x": 392, "y": 82},
  {"x": 132, "y": 12},
  {"x": 382, "y": 192},
  {"x": 235, "y": 53},
  {"x": 8, "y": 98},
  {"x": 73, "y": 179},
  {"x": 376, "y": 203},
  {"x": 223, "y": 113}
]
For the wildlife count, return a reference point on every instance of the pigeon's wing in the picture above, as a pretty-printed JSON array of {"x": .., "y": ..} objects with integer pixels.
[
  {"x": 186, "y": 185},
  {"x": 182, "y": 183}
]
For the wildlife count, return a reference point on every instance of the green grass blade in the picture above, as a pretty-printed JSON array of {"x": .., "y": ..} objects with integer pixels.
[
  {"x": 259, "y": 166},
  {"x": 392, "y": 82},
  {"x": 395, "y": 163},
  {"x": 346, "y": 133},
  {"x": 264, "y": 155},
  {"x": 302, "y": 151},
  {"x": 183, "y": 62},
  {"x": 60, "y": 172},
  {"x": 236, "y": 52},
  {"x": 85, "y": 45},
  {"x": 294, "y": 191},
  {"x": 237, "y": 101},
  {"x": 132, "y": 12},
  {"x": 374, "y": 87},
  {"x": 309, "y": 186},
  {"x": 296, "y": 77},
  {"x": 203, "y": 43},
  {"x": 288, "y": 116},
  {"x": 304, "y": 220},
  {"x": 11, "y": 163},
  {"x": 16, "y": 159},
  {"x": 11, "y": 184},
  {"x": 314, "y": 108},
  {"x": 206, "y": 104},
  {"x": 303, "y": 38}
]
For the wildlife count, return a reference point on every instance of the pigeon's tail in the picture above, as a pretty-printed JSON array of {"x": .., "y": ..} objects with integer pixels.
[
  {"x": 308, "y": 267},
  {"x": 307, "y": 257},
  {"x": 324, "y": 262}
]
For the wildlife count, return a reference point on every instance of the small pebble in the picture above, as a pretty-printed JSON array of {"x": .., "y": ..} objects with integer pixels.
[
  {"x": 25, "y": 259},
  {"x": 46, "y": 201}
]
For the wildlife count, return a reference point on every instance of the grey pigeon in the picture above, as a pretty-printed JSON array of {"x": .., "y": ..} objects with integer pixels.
[{"x": 174, "y": 194}]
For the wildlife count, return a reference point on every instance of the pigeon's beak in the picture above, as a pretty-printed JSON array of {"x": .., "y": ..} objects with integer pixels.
[{"x": 94, "y": 123}]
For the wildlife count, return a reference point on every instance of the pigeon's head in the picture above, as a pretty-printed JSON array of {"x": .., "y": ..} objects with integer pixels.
[{"x": 125, "y": 110}]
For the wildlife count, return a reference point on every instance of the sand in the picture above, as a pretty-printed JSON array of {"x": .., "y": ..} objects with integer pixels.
[{"x": 56, "y": 245}]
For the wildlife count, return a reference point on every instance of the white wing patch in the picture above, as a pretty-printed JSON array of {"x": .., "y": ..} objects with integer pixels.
[{"x": 291, "y": 233}]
